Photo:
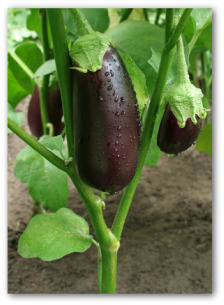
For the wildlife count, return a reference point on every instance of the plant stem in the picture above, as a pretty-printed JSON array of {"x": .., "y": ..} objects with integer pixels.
[
  {"x": 159, "y": 11},
  {"x": 150, "y": 116},
  {"x": 82, "y": 25},
  {"x": 109, "y": 271},
  {"x": 45, "y": 78},
  {"x": 125, "y": 13},
  {"x": 146, "y": 14},
  {"x": 178, "y": 30},
  {"x": 182, "y": 71},
  {"x": 63, "y": 65},
  {"x": 169, "y": 23},
  {"x": 31, "y": 141}
]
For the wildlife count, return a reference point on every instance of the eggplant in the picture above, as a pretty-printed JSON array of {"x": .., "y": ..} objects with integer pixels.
[
  {"x": 172, "y": 139},
  {"x": 107, "y": 126},
  {"x": 55, "y": 111}
]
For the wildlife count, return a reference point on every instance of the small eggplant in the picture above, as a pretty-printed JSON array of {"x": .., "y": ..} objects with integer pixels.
[
  {"x": 171, "y": 138},
  {"x": 55, "y": 112},
  {"x": 106, "y": 125}
]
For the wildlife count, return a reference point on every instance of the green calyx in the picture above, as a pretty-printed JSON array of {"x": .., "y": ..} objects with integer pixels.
[
  {"x": 185, "y": 102},
  {"x": 88, "y": 51},
  {"x": 185, "y": 99}
]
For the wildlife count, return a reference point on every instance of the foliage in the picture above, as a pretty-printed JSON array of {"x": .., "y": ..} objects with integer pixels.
[
  {"x": 34, "y": 58},
  {"x": 41, "y": 177},
  {"x": 52, "y": 236}
]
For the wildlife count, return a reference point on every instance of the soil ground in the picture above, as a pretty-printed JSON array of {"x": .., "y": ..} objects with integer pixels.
[{"x": 166, "y": 246}]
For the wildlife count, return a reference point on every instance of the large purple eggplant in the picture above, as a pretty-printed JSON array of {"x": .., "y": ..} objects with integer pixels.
[
  {"x": 55, "y": 112},
  {"x": 171, "y": 138},
  {"x": 106, "y": 125}
]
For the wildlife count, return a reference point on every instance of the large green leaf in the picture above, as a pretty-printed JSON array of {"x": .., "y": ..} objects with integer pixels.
[
  {"x": 15, "y": 91},
  {"x": 46, "y": 183},
  {"x": 52, "y": 236},
  {"x": 21, "y": 72},
  {"x": 138, "y": 39},
  {"x": 23, "y": 61},
  {"x": 16, "y": 117},
  {"x": 204, "y": 140},
  {"x": 30, "y": 54}
]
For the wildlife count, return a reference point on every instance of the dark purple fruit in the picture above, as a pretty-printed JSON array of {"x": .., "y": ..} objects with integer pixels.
[
  {"x": 106, "y": 125},
  {"x": 55, "y": 112},
  {"x": 171, "y": 138}
]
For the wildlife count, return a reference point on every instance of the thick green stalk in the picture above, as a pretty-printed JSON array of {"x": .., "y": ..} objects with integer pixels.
[
  {"x": 82, "y": 25},
  {"x": 45, "y": 78},
  {"x": 159, "y": 11},
  {"x": 109, "y": 271},
  {"x": 178, "y": 30},
  {"x": 169, "y": 23},
  {"x": 146, "y": 14},
  {"x": 31, "y": 141},
  {"x": 63, "y": 65},
  {"x": 182, "y": 71}
]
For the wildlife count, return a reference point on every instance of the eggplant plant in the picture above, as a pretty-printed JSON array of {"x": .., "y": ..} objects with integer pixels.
[{"x": 110, "y": 126}]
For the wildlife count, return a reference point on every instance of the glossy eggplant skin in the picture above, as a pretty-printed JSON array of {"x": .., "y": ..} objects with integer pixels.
[
  {"x": 172, "y": 139},
  {"x": 55, "y": 112},
  {"x": 106, "y": 125}
]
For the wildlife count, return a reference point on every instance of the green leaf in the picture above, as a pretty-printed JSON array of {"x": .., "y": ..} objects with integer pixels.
[
  {"x": 30, "y": 54},
  {"x": 15, "y": 91},
  {"x": 52, "y": 236},
  {"x": 97, "y": 18},
  {"x": 33, "y": 21},
  {"x": 138, "y": 80},
  {"x": 202, "y": 17},
  {"x": 46, "y": 183},
  {"x": 47, "y": 67},
  {"x": 55, "y": 144},
  {"x": 204, "y": 41},
  {"x": 23, "y": 61},
  {"x": 16, "y": 27},
  {"x": 88, "y": 51},
  {"x": 190, "y": 29},
  {"x": 204, "y": 140},
  {"x": 154, "y": 153},
  {"x": 16, "y": 117},
  {"x": 138, "y": 39},
  {"x": 21, "y": 72}
]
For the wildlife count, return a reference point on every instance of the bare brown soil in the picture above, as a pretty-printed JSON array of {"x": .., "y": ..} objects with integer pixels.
[{"x": 166, "y": 246}]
